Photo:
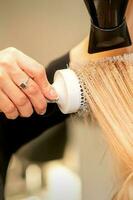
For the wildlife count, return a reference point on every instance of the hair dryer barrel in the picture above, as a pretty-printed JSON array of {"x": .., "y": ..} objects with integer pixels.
[{"x": 108, "y": 26}]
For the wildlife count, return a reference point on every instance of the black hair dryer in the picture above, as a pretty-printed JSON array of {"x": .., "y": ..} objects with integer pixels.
[{"x": 108, "y": 25}]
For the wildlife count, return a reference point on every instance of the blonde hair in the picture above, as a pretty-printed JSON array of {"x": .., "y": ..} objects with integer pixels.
[{"x": 108, "y": 88}]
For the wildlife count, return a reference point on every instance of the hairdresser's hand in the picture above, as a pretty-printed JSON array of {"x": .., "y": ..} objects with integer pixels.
[{"x": 17, "y": 69}]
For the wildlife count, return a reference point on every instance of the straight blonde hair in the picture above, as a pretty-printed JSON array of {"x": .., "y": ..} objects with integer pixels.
[{"x": 108, "y": 88}]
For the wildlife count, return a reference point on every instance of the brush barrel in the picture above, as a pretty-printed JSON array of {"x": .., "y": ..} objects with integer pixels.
[{"x": 66, "y": 84}]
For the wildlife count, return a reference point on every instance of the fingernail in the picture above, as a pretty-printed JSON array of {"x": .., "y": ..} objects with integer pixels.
[{"x": 43, "y": 112}]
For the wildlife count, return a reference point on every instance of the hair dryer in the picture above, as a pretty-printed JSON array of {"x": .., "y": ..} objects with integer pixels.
[{"x": 108, "y": 25}]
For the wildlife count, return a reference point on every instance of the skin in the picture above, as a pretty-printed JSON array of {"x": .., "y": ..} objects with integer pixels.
[
  {"x": 15, "y": 68},
  {"x": 80, "y": 56}
]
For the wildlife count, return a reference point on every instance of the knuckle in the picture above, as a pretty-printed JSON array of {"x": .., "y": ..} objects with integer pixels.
[
  {"x": 46, "y": 86},
  {"x": 22, "y": 100},
  {"x": 27, "y": 114},
  {"x": 40, "y": 71},
  {"x": 10, "y": 108},
  {"x": 15, "y": 72},
  {"x": 12, "y": 115},
  {"x": 42, "y": 105},
  {"x": 11, "y": 50},
  {"x": 4, "y": 62},
  {"x": 2, "y": 74},
  {"x": 15, "y": 116},
  {"x": 41, "y": 108},
  {"x": 7, "y": 60}
]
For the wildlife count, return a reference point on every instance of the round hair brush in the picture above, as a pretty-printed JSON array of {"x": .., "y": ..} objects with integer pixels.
[
  {"x": 71, "y": 84},
  {"x": 67, "y": 85}
]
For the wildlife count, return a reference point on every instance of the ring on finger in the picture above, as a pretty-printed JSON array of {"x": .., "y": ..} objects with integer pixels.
[{"x": 23, "y": 85}]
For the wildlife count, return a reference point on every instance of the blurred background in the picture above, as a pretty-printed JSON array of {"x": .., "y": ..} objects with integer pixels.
[{"x": 46, "y": 168}]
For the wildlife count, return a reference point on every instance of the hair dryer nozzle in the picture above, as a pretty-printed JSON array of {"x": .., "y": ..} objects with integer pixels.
[
  {"x": 108, "y": 25},
  {"x": 108, "y": 39}
]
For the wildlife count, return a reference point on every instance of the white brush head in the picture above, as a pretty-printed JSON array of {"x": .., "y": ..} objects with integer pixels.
[{"x": 67, "y": 86}]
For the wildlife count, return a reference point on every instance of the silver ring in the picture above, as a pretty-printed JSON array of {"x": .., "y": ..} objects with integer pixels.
[{"x": 23, "y": 85}]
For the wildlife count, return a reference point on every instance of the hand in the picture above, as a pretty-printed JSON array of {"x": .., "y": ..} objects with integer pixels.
[{"x": 17, "y": 68}]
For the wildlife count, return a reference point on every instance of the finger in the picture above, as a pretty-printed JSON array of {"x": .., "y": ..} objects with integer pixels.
[
  {"x": 26, "y": 110},
  {"x": 12, "y": 115},
  {"x": 36, "y": 97},
  {"x": 7, "y": 107},
  {"x": 19, "y": 99},
  {"x": 32, "y": 91},
  {"x": 37, "y": 72}
]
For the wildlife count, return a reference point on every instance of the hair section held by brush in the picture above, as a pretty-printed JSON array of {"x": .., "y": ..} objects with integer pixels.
[{"x": 108, "y": 89}]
